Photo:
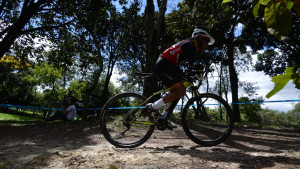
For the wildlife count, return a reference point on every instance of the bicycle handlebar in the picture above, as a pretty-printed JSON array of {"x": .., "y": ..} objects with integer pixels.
[{"x": 195, "y": 72}]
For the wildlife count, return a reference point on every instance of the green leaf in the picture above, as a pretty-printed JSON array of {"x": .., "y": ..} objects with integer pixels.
[
  {"x": 289, "y": 4},
  {"x": 270, "y": 14},
  {"x": 296, "y": 79},
  {"x": 281, "y": 81},
  {"x": 112, "y": 167},
  {"x": 289, "y": 70},
  {"x": 3, "y": 165},
  {"x": 278, "y": 19},
  {"x": 226, "y": 1},
  {"x": 256, "y": 8}
]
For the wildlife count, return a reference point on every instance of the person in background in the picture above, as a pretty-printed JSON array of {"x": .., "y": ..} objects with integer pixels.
[{"x": 67, "y": 113}]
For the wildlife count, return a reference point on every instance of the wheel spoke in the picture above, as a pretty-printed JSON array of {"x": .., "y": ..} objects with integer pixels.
[
  {"x": 118, "y": 121},
  {"x": 207, "y": 119}
]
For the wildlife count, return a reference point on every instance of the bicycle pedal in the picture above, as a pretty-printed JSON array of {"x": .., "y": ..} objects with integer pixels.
[
  {"x": 170, "y": 126},
  {"x": 161, "y": 124}
]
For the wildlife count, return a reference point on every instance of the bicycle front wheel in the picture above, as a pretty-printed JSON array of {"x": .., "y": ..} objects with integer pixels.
[
  {"x": 207, "y": 119},
  {"x": 118, "y": 129}
]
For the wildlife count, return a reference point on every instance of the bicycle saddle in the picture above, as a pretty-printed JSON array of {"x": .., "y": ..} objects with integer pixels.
[{"x": 146, "y": 74}]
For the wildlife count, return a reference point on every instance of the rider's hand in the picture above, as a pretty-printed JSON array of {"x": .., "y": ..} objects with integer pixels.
[
  {"x": 198, "y": 67},
  {"x": 179, "y": 70}
]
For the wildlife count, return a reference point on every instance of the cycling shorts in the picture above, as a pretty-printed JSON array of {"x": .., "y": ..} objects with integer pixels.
[{"x": 167, "y": 72}]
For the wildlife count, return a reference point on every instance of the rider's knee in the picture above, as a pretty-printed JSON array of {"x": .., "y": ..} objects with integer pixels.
[
  {"x": 182, "y": 91},
  {"x": 178, "y": 90}
]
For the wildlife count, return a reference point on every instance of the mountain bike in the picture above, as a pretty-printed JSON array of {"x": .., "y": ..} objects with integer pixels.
[{"x": 206, "y": 118}]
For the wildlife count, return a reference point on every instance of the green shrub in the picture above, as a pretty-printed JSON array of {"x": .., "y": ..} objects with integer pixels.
[{"x": 250, "y": 112}]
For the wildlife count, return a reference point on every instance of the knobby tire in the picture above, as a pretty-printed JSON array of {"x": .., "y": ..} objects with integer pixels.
[
  {"x": 208, "y": 129},
  {"x": 111, "y": 119}
]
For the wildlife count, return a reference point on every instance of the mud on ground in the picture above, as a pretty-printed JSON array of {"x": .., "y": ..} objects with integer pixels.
[{"x": 81, "y": 145}]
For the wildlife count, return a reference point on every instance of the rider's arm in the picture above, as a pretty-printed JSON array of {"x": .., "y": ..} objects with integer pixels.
[{"x": 187, "y": 52}]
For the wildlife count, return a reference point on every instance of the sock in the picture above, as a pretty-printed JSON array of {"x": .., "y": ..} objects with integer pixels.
[
  {"x": 164, "y": 115},
  {"x": 156, "y": 105}
]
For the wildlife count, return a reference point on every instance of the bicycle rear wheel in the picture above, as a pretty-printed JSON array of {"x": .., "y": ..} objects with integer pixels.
[
  {"x": 207, "y": 119},
  {"x": 118, "y": 129}
]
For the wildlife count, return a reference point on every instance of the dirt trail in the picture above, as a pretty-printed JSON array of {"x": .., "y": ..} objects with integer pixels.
[{"x": 77, "y": 145}]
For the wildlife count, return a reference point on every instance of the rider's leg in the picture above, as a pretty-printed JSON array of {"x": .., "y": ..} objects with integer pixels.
[
  {"x": 169, "y": 109},
  {"x": 166, "y": 109},
  {"x": 170, "y": 76},
  {"x": 176, "y": 91}
]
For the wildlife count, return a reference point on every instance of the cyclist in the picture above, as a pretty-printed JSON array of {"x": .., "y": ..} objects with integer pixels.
[{"x": 167, "y": 68}]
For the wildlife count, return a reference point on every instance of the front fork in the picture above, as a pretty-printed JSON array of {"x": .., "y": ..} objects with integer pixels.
[{"x": 199, "y": 109}]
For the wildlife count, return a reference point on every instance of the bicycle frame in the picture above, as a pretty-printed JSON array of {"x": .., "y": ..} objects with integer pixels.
[
  {"x": 186, "y": 85},
  {"x": 201, "y": 116}
]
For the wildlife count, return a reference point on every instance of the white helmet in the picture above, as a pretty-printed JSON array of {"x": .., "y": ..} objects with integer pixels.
[{"x": 198, "y": 31}]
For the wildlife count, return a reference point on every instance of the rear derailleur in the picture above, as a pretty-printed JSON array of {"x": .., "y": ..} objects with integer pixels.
[{"x": 160, "y": 123}]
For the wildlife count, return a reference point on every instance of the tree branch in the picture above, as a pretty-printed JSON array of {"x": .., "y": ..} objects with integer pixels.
[
  {"x": 45, "y": 4},
  {"x": 4, "y": 2},
  {"x": 44, "y": 28}
]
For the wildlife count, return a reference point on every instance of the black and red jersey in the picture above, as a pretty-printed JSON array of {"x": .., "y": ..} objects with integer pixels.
[{"x": 181, "y": 51}]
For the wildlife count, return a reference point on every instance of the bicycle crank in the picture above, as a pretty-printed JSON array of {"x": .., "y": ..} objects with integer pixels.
[{"x": 161, "y": 124}]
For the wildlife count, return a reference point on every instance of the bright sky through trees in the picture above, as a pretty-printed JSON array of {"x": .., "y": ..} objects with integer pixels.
[{"x": 262, "y": 81}]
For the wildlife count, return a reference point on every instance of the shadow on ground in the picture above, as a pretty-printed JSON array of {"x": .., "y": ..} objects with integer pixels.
[
  {"x": 23, "y": 145},
  {"x": 20, "y": 142},
  {"x": 248, "y": 147}
]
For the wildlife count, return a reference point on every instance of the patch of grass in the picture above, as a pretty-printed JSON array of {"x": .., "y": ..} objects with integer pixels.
[
  {"x": 26, "y": 113},
  {"x": 12, "y": 117}
]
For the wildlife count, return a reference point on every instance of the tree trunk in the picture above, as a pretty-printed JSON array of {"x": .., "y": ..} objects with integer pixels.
[
  {"x": 105, "y": 88},
  {"x": 110, "y": 69},
  {"x": 150, "y": 43},
  {"x": 88, "y": 93},
  {"x": 220, "y": 76},
  {"x": 153, "y": 35},
  {"x": 220, "y": 88},
  {"x": 233, "y": 82},
  {"x": 95, "y": 81}
]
